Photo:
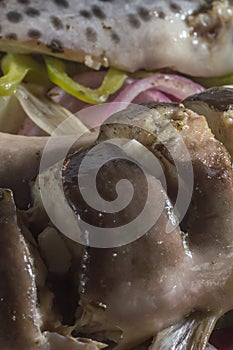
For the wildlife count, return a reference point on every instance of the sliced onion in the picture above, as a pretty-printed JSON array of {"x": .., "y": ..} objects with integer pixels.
[
  {"x": 48, "y": 115},
  {"x": 157, "y": 87},
  {"x": 170, "y": 84},
  {"x": 151, "y": 95}
]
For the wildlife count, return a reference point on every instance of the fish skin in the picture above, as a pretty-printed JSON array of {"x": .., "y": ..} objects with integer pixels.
[
  {"x": 193, "y": 37},
  {"x": 203, "y": 279},
  {"x": 20, "y": 319},
  {"x": 216, "y": 104}
]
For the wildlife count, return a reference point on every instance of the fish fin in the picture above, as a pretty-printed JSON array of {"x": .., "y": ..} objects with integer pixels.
[{"x": 192, "y": 333}]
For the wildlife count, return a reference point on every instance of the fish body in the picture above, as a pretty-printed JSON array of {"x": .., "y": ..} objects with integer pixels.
[
  {"x": 20, "y": 317},
  {"x": 157, "y": 281},
  {"x": 193, "y": 37},
  {"x": 171, "y": 285},
  {"x": 216, "y": 105}
]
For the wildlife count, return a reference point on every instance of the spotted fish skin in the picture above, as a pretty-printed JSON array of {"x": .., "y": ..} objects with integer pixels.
[{"x": 193, "y": 37}]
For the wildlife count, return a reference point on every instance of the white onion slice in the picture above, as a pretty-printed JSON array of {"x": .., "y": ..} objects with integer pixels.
[{"x": 48, "y": 115}]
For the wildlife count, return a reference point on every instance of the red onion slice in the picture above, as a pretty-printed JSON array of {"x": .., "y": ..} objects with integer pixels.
[
  {"x": 151, "y": 95},
  {"x": 170, "y": 84},
  {"x": 158, "y": 87}
]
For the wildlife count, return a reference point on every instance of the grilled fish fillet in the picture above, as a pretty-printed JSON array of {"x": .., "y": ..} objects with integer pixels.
[{"x": 193, "y": 37}]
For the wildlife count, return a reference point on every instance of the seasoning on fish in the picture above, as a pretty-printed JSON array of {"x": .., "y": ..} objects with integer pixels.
[{"x": 193, "y": 37}]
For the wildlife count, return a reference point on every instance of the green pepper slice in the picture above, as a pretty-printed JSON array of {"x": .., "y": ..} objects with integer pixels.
[{"x": 112, "y": 82}]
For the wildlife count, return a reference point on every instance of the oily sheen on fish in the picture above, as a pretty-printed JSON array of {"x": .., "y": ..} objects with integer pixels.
[
  {"x": 193, "y": 37},
  {"x": 20, "y": 317},
  {"x": 156, "y": 278}
]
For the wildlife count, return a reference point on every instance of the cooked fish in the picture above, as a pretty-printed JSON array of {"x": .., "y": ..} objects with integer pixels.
[
  {"x": 181, "y": 280},
  {"x": 170, "y": 285},
  {"x": 216, "y": 104},
  {"x": 20, "y": 318},
  {"x": 20, "y": 162},
  {"x": 193, "y": 37}
]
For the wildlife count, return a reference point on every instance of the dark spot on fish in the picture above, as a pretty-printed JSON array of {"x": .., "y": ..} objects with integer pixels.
[
  {"x": 91, "y": 34},
  {"x": 24, "y": 2},
  {"x": 56, "y": 22},
  {"x": 115, "y": 37},
  {"x": 134, "y": 21},
  {"x": 161, "y": 14},
  {"x": 56, "y": 46},
  {"x": 67, "y": 26},
  {"x": 106, "y": 0},
  {"x": 144, "y": 14},
  {"x": 85, "y": 14},
  {"x": 175, "y": 7},
  {"x": 38, "y": 155},
  {"x": 34, "y": 34},
  {"x": 11, "y": 36},
  {"x": 32, "y": 12},
  {"x": 14, "y": 17},
  {"x": 62, "y": 3},
  {"x": 97, "y": 11}
]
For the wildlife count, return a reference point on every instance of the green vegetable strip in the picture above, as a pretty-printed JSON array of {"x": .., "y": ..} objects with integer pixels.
[
  {"x": 112, "y": 82},
  {"x": 15, "y": 67},
  {"x": 14, "y": 72},
  {"x": 215, "y": 81}
]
